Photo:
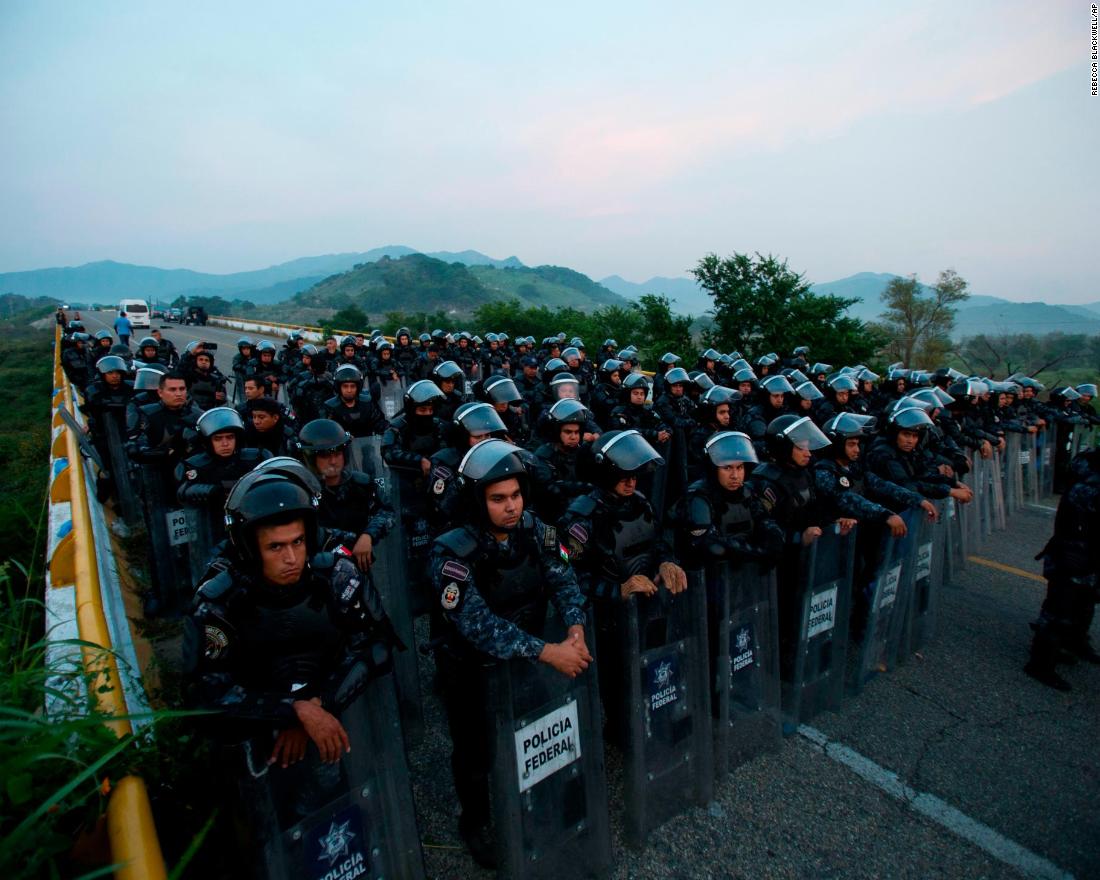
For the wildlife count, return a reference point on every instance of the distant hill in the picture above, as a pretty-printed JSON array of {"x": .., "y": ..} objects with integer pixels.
[
  {"x": 417, "y": 282},
  {"x": 18, "y": 311},
  {"x": 107, "y": 280},
  {"x": 1035, "y": 317}
]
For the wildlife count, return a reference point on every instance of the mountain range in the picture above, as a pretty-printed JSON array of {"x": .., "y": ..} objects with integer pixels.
[{"x": 332, "y": 280}]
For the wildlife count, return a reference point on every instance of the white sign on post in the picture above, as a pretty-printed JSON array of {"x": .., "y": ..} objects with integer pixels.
[
  {"x": 544, "y": 746},
  {"x": 822, "y": 613},
  {"x": 890, "y": 586},
  {"x": 179, "y": 527},
  {"x": 924, "y": 561}
]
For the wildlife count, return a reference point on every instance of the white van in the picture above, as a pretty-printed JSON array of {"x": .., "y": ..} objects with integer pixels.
[{"x": 137, "y": 310}]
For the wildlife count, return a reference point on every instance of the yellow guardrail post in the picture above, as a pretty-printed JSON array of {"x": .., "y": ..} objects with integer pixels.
[{"x": 131, "y": 830}]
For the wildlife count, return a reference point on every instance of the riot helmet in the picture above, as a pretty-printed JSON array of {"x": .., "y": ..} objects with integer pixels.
[
  {"x": 730, "y": 447},
  {"x": 322, "y": 436},
  {"x": 787, "y": 432},
  {"x": 262, "y": 498}
]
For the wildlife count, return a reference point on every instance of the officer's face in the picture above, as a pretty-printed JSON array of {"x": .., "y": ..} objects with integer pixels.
[
  {"x": 425, "y": 409},
  {"x": 745, "y": 388},
  {"x": 149, "y": 353},
  {"x": 852, "y": 448},
  {"x": 504, "y": 503},
  {"x": 330, "y": 346},
  {"x": 264, "y": 421},
  {"x": 446, "y": 385},
  {"x": 637, "y": 396},
  {"x": 842, "y": 397},
  {"x": 267, "y": 356},
  {"x": 282, "y": 552},
  {"x": 223, "y": 444},
  {"x": 722, "y": 415},
  {"x": 330, "y": 464},
  {"x": 801, "y": 457},
  {"x": 626, "y": 486},
  {"x": 570, "y": 436},
  {"x": 478, "y": 438},
  {"x": 616, "y": 378},
  {"x": 113, "y": 378},
  {"x": 776, "y": 400},
  {"x": 676, "y": 390},
  {"x": 731, "y": 477},
  {"x": 173, "y": 393},
  {"x": 907, "y": 440},
  {"x": 348, "y": 390},
  {"x": 252, "y": 390}
]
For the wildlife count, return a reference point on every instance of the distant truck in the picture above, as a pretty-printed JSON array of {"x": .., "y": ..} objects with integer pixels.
[{"x": 137, "y": 310}]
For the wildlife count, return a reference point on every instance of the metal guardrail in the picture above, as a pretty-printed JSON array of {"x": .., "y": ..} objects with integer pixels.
[{"x": 74, "y": 586}]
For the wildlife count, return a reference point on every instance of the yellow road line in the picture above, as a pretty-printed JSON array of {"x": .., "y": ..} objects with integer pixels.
[{"x": 1000, "y": 566}]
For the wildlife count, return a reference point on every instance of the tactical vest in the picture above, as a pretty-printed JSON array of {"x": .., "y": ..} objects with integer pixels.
[
  {"x": 514, "y": 588},
  {"x": 632, "y": 548},
  {"x": 289, "y": 645}
]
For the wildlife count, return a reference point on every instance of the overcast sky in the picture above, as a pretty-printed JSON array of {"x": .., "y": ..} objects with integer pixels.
[{"x": 627, "y": 138}]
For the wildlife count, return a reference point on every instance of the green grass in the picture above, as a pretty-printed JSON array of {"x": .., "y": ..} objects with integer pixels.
[{"x": 26, "y": 370}]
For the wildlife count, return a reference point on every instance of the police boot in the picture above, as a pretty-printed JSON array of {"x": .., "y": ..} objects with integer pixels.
[
  {"x": 1044, "y": 651},
  {"x": 480, "y": 841},
  {"x": 1083, "y": 650}
]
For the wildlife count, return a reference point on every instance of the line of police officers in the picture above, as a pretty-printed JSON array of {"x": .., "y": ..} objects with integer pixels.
[{"x": 527, "y": 476}]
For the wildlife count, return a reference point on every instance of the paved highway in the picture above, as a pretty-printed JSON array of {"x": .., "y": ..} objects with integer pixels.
[{"x": 956, "y": 765}]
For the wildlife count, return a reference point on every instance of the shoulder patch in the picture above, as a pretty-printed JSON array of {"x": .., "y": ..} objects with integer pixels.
[
  {"x": 215, "y": 642},
  {"x": 443, "y": 471},
  {"x": 450, "y": 597},
  {"x": 456, "y": 570},
  {"x": 770, "y": 496},
  {"x": 579, "y": 532},
  {"x": 845, "y": 482},
  {"x": 191, "y": 474},
  {"x": 439, "y": 486}
]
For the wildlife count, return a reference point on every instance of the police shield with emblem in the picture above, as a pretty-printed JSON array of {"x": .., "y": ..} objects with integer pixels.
[
  {"x": 359, "y": 819},
  {"x": 889, "y": 594},
  {"x": 745, "y": 652},
  {"x": 668, "y": 737},
  {"x": 390, "y": 397},
  {"x": 816, "y": 681},
  {"x": 549, "y": 787}
]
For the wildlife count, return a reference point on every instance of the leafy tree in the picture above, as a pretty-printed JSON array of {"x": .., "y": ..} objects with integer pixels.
[
  {"x": 761, "y": 305},
  {"x": 918, "y": 321},
  {"x": 349, "y": 318},
  {"x": 417, "y": 322}
]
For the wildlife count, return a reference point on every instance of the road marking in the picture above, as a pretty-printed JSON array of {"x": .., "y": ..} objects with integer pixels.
[
  {"x": 939, "y": 811},
  {"x": 1011, "y": 569},
  {"x": 1043, "y": 507}
]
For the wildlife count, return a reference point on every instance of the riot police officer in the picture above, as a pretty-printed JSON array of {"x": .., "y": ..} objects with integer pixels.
[
  {"x": 275, "y": 632},
  {"x": 350, "y": 500},
  {"x": 1071, "y": 566},
  {"x": 557, "y": 480},
  {"x": 204, "y": 479},
  {"x": 354, "y": 409},
  {"x": 473, "y": 422},
  {"x": 494, "y": 578}
]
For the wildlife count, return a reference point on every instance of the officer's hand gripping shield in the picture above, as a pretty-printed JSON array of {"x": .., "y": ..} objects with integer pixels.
[
  {"x": 548, "y": 782},
  {"x": 315, "y": 821},
  {"x": 668, "y": 739},
  {"x": 390, "y": 575},
  {"x": 744, "y": 636},
  {"x": 816, "y": 680}
]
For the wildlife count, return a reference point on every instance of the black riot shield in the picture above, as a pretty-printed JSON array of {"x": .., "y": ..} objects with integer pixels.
[
  {"x": 390, "y": 574},
  {"x": 669, "y": 762},
  {"x": 168, "y": 528},
  {"x": 548, "y": 782},
  {"x": 1013, "y": 471},
  {"x": 815, "y": 681},
  {"x": 314, "y": 821},
  {"x": 744, "y": 643},
  {"x": 120, "y": 469},
  {"x": 888, "y": 595},
  {"x": 203, "y": 538},
  {"x": 923, "y": 608},
  {"x": 955, "y": 549}
]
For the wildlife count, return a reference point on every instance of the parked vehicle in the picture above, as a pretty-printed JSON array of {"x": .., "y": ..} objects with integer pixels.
[{"x": 137, "y": 310}]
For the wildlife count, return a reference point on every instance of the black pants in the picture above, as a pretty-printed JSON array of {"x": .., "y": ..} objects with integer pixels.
[
  {"x": 464, "y": 699},
  {"x": 1065, "y": 619}
]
